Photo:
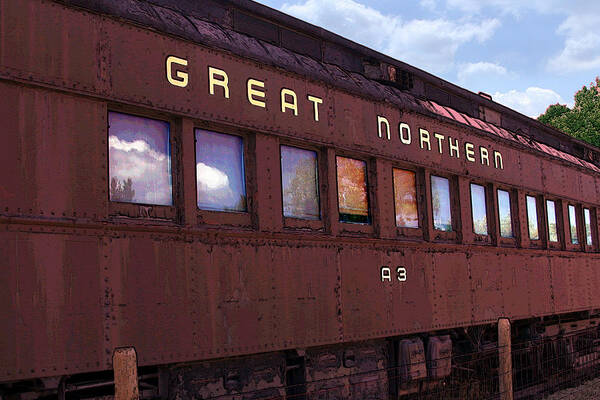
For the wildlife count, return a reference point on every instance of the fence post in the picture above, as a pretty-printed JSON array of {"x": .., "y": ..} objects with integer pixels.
[
  {"x": 125, "y": 370},
  {"x": 505, "y": 359}
]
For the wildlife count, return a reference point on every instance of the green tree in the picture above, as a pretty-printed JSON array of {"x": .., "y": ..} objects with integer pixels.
[{"x": 583, "y": 120}]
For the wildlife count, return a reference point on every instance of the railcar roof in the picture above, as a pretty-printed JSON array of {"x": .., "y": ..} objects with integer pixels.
[{"x": 258, "y": 32}]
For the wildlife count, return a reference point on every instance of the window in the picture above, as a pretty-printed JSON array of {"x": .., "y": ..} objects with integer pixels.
[
  {"x": 405, "y": 199},
  {"x": 552, "y": 230},
  {"x": 299, "y": 182},
  {"x": 588, "y": 226},
  {"x": 220, "y": 182},
  {"x": 532, "y": 220},
  {"x": 478, "y": 209},
  {"x": 353, "y": 200},
  {"x": 573, "y": 224},
  {"x": 139, "y": 160},
  {"x": 440, "y": 197},
  {"x": 504, "y": 214}
]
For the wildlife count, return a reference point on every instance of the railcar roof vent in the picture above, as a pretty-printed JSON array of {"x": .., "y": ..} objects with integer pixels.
[
  {"x": 485, "y": 95},
  {"x": 388, "y": 74}
]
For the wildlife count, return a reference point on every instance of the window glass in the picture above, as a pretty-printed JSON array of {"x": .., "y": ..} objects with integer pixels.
[
  {"x": 220, "y": 182},
  {"x": 405, "y": 199},
  {"x": 478, "y": 209},
  {"x": 573, "y": 224},
  {"x": 300, "y": 188},
  {"x": 440, "y": 197},
  {"x": 588, "y": 226},
  {"x": 504, "y": 214},
  {"x": 353, "y": 200},
  {"x": 139, "y": 160},
  {"x": 532, "y": 221},
  {"x": 552, "y": 231}
]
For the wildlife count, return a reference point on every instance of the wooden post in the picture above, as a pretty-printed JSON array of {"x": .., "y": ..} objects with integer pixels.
[
  {"x": 125, "y": 370},
  {"x": 505, "y": 359}
]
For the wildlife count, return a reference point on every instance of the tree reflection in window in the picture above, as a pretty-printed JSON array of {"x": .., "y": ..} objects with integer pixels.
[
  {"x": 440, "y": 198},
  {"x": 220, "y": 180},
  {"x": 405, "y": 199},
  {"x": 552, "y": 229},
  {"x": 299, "y": 181},
  {"x": 139, "y": 159},
  {"x": 504, "y": 214},
  {"x": 532, "y": 218},
  {"x": 353, "y": 200}
]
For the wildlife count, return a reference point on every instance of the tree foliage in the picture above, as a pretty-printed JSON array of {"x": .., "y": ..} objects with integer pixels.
[
  {"x": 583, "y": 120},
  {"x": 121, "y": 191}
]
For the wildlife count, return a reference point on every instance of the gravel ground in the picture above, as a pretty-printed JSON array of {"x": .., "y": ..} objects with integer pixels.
[{"x": 590, "y": 390}]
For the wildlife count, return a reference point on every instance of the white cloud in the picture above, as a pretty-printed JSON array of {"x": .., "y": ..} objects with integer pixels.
[
  {"x": 582, "y": 44},
  {"x": 428, "y": 44},
  {"x": 430, "y": 5},
  {"x": 137, "y": 145},
  {"x": 581, "y": 47},
  {"x": 514, "y": 7},
  {"x": 532, "y": 102},
  {"x": 210, "y": 177},
  {"x": 480, "y": 69}
]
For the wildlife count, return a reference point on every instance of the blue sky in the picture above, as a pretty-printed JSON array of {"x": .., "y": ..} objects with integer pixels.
[{"x": 526, "y": 54}]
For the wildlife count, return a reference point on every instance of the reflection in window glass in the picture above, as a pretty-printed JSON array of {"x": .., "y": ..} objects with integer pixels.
[
  {"x": 532, "y": 221},
  {"x": 220, "y": 171},
  {"x": 139, "y": 159},
  {"x": 299, "y": 183},
  {"x": 353, "y": 200},
  {"x": 504, "y": 214},
  {"x": 405, "y": 199},
  {"x": 440, "y": 197},
  {"x": 573, "y": 224},
  {"x": 552, "y": 231},
  {"x": 588, "y": 226},
  {"x": 478, "y": 209}
]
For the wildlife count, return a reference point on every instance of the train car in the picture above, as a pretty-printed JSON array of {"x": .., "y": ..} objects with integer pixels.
[{"x": 262, "y": 209}]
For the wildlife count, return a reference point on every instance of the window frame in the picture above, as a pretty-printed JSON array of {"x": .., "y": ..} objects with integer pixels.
[
  {"x": 438, "y": 235},
  {"x": 239, "y": 219},
  {"x": 541, "y": 223},
  {"x": 406, "y": 232},
  {"x": 514, "y": 216},
  {"x": 558, "y": 207},
  {"x": 578, "y": 227},
  {"x": 593, "y": 226},
  {"x": 348, "y": 226},
  {"x": 293, "y": 223},
  {"x": 479, "y": 238},
  {"x": 125, "y": 211}
]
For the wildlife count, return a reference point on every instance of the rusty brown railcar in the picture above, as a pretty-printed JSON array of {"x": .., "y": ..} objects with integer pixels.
[{"x": 220, "y": 303}]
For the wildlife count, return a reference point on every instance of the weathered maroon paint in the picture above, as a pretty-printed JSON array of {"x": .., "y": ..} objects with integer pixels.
[{"x": 82, "y": 276}]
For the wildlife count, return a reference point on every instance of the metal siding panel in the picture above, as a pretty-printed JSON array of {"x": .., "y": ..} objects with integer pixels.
[
  {"x": 55, "y": 156},
  {"x": 486, "y": 286},
  {"x": 452, "y": 299},
  {"x": 306, "y": 281},
  {"x": 360, "y": 279},
  {"x": 54, "y": 311},
  {"x": 515, "y": 283},
  {"x": 147, "y": 300},
  {"x": 561, "y": 287},
  {"x": 412, "y": 301}
]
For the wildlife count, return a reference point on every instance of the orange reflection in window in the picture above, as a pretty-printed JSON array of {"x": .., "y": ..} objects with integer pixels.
[
  {"x": 405, "y": 197},
  {"x": 352, "y": 190}
]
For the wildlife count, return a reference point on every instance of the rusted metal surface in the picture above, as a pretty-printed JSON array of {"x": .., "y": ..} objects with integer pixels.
[{"x": 181, "y": 285}]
